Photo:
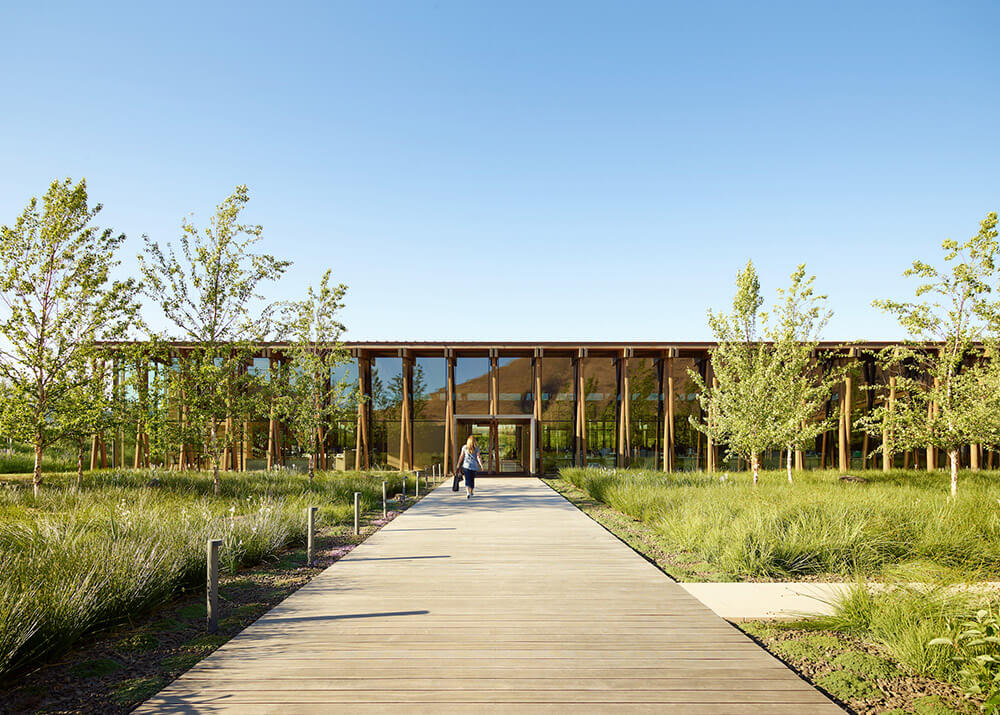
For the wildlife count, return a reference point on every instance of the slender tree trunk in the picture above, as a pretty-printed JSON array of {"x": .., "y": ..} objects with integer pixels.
[
  {"x": 755, "y": 466},
  {"x": 312, "y": 466},
  {"x": 953, "y": 458},
  {"x": 79, "y": 464},
  {"x": 788, "y": 462},
  {"x": 36, "y": 477}
]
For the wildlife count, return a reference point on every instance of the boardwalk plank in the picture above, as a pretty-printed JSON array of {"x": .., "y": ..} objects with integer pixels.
[{"x": 513, "y": 601}]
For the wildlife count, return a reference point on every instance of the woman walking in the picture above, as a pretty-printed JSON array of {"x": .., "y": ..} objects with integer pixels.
[{"x": 470, "y": 463}]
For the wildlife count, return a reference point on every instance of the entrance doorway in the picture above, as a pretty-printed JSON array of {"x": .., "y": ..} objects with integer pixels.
[{"x": 506, "y": 442}]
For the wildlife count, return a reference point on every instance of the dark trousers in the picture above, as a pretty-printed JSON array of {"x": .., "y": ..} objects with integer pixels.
[{"x": 470, "y": 477}]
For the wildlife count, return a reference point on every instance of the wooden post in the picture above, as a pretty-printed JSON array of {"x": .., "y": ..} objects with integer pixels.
[
  {"x": 974, "y": 457},
  {"x": 494, "y": 390},
  {"x": 310, "y": 531},
  {"x": 931, "y": 452},
  {"x": 800, "y": 457},
  {"x": 357, "y": 513},
  {"x": 450, "y": 437},
  {"x": 212, "y": 586}
]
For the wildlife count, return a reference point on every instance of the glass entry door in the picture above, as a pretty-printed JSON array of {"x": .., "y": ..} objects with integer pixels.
[{"x": 505, "y": 445}]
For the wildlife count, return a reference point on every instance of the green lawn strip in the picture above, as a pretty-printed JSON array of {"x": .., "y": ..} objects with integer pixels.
[{"x": 171, "y": 638}]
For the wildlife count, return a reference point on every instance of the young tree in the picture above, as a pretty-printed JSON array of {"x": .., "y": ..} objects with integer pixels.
[
  {"x": 767, "y": 391},
  {"x": 57, "y": 299},
  {"x": 306, "y": 397},
  {"x": 946, "y": 395},
  {"x": 210, "y": 292},
  {"x": 87, "y": 410}
]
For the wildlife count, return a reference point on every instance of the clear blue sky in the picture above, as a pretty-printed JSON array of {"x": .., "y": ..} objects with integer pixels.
[{"x": 525, "y": 170}]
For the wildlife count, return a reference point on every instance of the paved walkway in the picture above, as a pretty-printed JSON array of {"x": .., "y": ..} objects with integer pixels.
[{"x": 513, "y": 601}]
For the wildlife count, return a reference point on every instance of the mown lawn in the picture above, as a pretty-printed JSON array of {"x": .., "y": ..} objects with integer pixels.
[
  {"x": 896, "y": 526},
  {"x": 77, "y": 559}
]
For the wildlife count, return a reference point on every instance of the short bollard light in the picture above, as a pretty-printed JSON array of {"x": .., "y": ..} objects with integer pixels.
[
  {"x": 385, "y": 510},
  {"x": 310, "y": 529},
  {"x": 402, "y": 499},
  {"x": 212, "y": 586},
  {"x": 357, "y": 513},
  {"x": 416, "y": 481}
]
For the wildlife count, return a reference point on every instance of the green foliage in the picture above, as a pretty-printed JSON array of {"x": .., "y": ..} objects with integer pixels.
[
  {"x": 945, "y": 397},
  {"x": 135, "y": 690},
  {"x": 866, "y": 665},
  {"x": 58, "y": 299},
  {"x": 848, "y": 686},
  {"x": 974, "y": 645},
  {"x": 822, "y": 526},
  {"x": 75, "y": 560},
  {"x": 96, "y": 668},
  {"x": 210, "y": 292},
  {"x": 306, "y": 397},
  {"x": 139, "y": 643},
  {"x": 767, "y": 390}
]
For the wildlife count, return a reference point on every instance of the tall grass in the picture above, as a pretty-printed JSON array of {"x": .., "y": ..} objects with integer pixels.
[
  {"x": 818, "y": 525},
  {"x": 75, "y": 560}
]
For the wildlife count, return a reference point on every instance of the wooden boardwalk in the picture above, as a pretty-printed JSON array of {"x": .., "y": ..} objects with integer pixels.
[{"x": 511, "y": 601}]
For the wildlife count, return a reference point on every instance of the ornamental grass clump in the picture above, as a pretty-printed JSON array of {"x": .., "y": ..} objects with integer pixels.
[
  {"x": 819, "y": 525},
  {"x": 77, "y": 559}
]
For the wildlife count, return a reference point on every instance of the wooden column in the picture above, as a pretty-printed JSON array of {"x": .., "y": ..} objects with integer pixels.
[
  {"x": 711, "y": 383},
  {"x": 117, "y": 453},
  {"x": 669, "y": 435},
  {"x": 536, "y": 406},
  {"x": 932, "y": 413},
  {"x": 140, "y": 424},
  {"x": 450, "y": 438},
  {"x": 271, "y": 427},
  {"x": 846, "y": 396},
  {"x": 974, "y": 457},
  {"x": 494, "y": 389},
  {"x": 362, "y": 453},
  {"x": 887, "y": 452},
  {"x": 800, "y": 457},
  {"x": 96, "y": 443},
  {"x": 581, "y": 408},
  {"x": 405, "y": 438}
]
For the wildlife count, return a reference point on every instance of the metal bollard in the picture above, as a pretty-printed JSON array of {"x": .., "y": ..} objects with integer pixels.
[
  {"x": 416, "y": 481},
  {"x": 357, "y": 513},
  {"x": 403, "y": 499},
  {"x": 310, "y": 523},
  {"x": 212, "y": 584},
  {"x": 385, "y": 511}
]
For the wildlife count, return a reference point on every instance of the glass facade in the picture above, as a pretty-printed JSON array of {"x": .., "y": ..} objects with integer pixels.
[
  {"x": 515, "y": 386},
  {"x": 430, "y": 375},
  {"x": 386, "y": 401},
  {"x": 472, "y": 386},
  {"x": 558, "y": 414},
  {"x": 645, "y": 413}
]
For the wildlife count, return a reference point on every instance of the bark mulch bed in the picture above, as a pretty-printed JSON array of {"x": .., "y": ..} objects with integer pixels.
[{"x": 115, "y": 670}]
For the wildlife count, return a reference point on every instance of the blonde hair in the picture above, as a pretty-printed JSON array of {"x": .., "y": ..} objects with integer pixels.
[{"x": 470, "y": 444}]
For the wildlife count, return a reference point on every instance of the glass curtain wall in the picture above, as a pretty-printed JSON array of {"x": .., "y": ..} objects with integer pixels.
[
  {"x": 689, "y": 442},
  {"x": 515, "y": 386},
  {"x": 429, "y": 409},
  {"x": 341, "y": 439},
  {"x": 387, "y": 404},
  {"x": 600, "y": 379},
  {"x": 558, "y": 416},
  {"x": 472, "y": 386},
  {"x": 645, "y": 413}
]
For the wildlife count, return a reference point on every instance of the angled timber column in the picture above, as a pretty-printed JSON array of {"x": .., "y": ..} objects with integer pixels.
[
  {"x": 362, "y": 451},
  {"x": 711, "y": 382},
  {"x": 624, "y": 402},
  {"x": 536, "y": 405},
  {"x": 669, "y": 435},
  {"x": 846, "y": 389},
  {"x": 450, "y": 445},
  {"x": 580, "y": 433},
  {"x": 405, "y": 427}
]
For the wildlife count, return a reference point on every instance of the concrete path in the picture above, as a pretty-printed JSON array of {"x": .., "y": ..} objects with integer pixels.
[{"x": 512, "y": 601}]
